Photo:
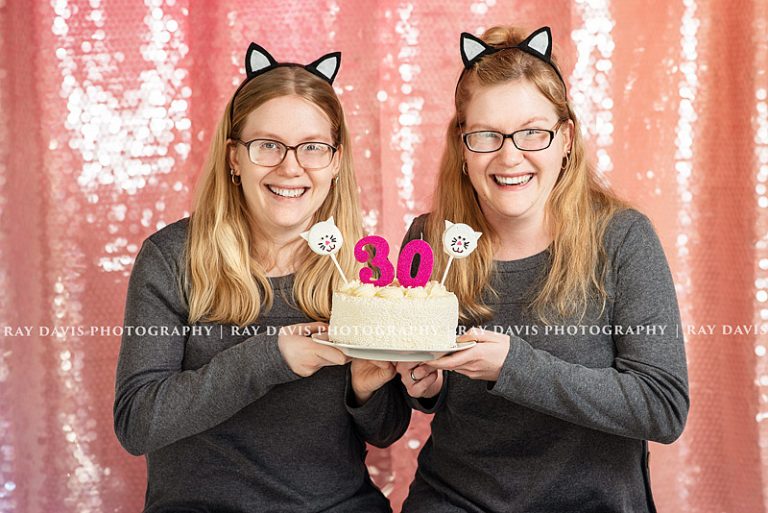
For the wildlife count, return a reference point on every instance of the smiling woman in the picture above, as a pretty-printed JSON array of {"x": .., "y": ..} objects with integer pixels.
[
  {"x": 555, "y": 418},
  {"x": 224, "y": 416}
]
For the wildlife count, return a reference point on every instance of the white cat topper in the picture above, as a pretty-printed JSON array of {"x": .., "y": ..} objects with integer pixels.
[
  {"x": 459, "y": 241},
  {"x": 324, "y": 238}
]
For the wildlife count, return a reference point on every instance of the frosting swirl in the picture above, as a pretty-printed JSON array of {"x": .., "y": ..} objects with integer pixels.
[{"x": 392, "y": 291}]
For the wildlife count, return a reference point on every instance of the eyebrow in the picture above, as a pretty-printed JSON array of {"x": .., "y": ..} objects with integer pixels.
[
  {"x": 480, "y": 126},
  {"x": 310, "y": 138}
]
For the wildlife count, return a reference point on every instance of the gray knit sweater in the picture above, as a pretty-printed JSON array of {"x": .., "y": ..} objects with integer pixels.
[
  {"x": 224, "y": 423},
  {"x": 564, "y": 427}
]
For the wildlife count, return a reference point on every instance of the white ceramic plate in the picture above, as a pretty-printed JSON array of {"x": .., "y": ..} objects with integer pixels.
[{"x": 389, "y": 355}]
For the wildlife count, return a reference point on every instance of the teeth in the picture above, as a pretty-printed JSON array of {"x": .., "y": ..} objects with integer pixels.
[
  {"x": 286, "y": 193},
  {"x": 516, "y": 180}
]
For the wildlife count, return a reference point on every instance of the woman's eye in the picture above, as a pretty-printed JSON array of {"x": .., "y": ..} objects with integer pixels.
[
  {"x": 314, "y": 148},
  {"x": 268, "y": 145}
]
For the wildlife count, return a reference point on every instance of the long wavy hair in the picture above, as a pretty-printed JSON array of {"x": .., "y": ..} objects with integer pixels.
[
  {"x": 226, "y": 264},
  {"x": 577, "y": 211}
]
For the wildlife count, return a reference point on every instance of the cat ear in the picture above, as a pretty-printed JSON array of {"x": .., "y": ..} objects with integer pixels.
[
  {"x": 305, "y": 235},
  {"x": 258, "y": 60},
  {"x": 448, "y": 224},
  {"x": 326, "y": 67},
  {"x": 330, "y": 220},
  {"x": 477, "y": 235},
  {"x": 472, "y": 48},
  {"x": 539, "y": 43}
]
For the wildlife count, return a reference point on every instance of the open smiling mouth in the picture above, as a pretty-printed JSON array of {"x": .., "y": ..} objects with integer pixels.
[
  {"x": 287, "y": 193},
  {"x": 513, "y": 180}
]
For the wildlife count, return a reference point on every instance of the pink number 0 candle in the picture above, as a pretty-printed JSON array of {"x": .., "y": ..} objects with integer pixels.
[{"x": 405, "y": 262}]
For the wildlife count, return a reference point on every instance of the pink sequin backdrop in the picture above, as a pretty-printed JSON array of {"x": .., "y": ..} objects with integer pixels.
[{"x": 106, "y": 110}]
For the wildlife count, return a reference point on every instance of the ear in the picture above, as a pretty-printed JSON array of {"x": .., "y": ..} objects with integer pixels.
[
  {"x": 478, "y": 234},
  {"x": 305, "y": 235},
  {"x": 232, "y": 156},
  {"x": 326, "y": 67},
  {"x": 472, "y": 48},
  {"x": 539, "y": 43},
  {"x": 336, "y": 162},
  {"x": 567, "y": 131},
  {"x": 448, "y": 224},
  {"x": 258, "y": 60},
  {"x": 330, "y": 220}
]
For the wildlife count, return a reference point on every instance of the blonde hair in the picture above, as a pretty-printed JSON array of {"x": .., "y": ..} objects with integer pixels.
[
  {"x": 577, "y": 211},
  {"x": 225, "y": 279}
]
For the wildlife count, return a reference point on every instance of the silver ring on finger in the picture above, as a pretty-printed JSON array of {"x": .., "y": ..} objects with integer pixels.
[{"x": 413, "y": 377}]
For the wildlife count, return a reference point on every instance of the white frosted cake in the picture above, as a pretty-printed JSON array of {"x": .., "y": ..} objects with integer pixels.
[{"x": 394, "y": 317}]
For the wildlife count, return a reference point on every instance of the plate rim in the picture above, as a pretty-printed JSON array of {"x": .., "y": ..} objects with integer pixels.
[{"x": 326, "y": 341}]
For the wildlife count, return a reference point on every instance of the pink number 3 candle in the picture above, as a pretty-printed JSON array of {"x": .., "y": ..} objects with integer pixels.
[{"x": 379, "y": 260}]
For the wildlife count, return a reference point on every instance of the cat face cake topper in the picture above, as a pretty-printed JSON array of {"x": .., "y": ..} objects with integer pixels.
[
  {"x": 324, "y": 238},
  {"x": 459, "y": 240},
  {"x": 258, "y": 61},
  {"x": 538, "y": 44}
]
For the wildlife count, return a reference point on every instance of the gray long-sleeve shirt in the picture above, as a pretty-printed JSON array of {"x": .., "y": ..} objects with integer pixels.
[
  {"x": 224, "y": 423},
  {"x": 564, "y": 427}
]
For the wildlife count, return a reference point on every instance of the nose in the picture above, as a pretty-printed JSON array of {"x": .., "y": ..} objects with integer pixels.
[
  {"x": 509, "y": 153},
  {"x": 290, "y": 165}
]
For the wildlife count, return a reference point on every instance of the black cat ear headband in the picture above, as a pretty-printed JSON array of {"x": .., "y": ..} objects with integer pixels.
[
  {"x": 258, "y": 61},
  {"x": 538, "y": 44}
]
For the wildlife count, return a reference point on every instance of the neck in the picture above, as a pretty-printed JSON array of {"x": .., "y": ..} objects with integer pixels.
[
  {"x": 519, "y": 238},
  {"x": 282, "y": 250}
]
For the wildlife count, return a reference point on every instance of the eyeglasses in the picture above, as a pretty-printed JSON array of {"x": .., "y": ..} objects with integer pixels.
[
  {"x": 528, "y": 139},
  {"x": 269, "y": 153}
]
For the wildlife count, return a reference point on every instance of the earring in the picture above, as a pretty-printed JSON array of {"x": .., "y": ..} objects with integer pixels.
[
  {"x": 566, "y": 160},
  {"x": 235, "y": 178},
  {"x": 335, "y": 182},
  {"x": 464, "y": 168}
]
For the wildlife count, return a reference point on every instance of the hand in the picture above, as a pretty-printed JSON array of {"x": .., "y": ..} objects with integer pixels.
[
  {"x": 428, "y": 380},
  {"x": 483, "y": 361},
  {"x": 302, "y": 354},
  {"x": 368, "y": 376}
]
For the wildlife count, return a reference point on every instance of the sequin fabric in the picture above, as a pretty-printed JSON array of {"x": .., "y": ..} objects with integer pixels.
[{"x": 107, "y": 110}]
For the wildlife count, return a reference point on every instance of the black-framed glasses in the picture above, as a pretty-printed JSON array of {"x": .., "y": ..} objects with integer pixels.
[
  {"x": 270, "y": 153},
  {"x": 528, "y": 139}
]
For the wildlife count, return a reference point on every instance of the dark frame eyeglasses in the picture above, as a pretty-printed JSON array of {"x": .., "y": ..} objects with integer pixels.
[
  {"x": 310, "y": 155},
  {"x": 527, "y": 139}
]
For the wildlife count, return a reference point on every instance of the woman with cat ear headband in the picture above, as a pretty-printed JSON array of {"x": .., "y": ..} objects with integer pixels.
[
  {"x": 219, "y": 384},
  {"x": 581, "y": 361}
]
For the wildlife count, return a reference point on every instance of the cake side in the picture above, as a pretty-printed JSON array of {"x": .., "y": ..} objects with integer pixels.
[{"x": 394, "y": 317}]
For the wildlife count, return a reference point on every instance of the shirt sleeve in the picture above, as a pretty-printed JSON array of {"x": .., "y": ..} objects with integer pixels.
[
  {"x": 156, "y": 402},
  {"x": 644, "y": 395},
  {"x": 384, "y": 418}
]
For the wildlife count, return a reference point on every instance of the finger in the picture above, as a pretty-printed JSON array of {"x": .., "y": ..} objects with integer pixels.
[
  {"x": 331, "y": 355},
  {"x": 473, "y": 334},
  {"x": 454, "y": 360},
  {"x": 382, "y": 365},
  {"x": 405, "y": 367},
  {"x": 420, "y": 372},
  {"x": 419, "y": 389},
  {"x": 427, "y": 369}
]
